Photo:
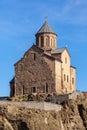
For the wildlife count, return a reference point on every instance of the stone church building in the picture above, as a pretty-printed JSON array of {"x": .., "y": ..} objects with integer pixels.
[{"x": 44, "y": 68}]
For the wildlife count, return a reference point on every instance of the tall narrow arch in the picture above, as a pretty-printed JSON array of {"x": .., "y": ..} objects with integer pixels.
[
  {"x": 23, "y": 90},
  {"x": 47, "y": 41},
  {"x": 47, "y": 89},
  {"x": 51, "y": 42},
  {"x": 42, "y": 41}
]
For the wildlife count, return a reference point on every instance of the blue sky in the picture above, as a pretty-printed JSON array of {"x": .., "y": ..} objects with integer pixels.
[{"x": 21, "y": 19}]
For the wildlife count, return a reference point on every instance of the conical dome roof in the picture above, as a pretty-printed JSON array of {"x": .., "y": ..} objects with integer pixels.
[{"x": 45, "y": 29}]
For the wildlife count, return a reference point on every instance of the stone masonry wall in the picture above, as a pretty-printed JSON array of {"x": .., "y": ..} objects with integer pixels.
[
  {"x": 49, "y": 41},
  {"x": 34, "y": 105},
  {"x": 32, "y": 71},
  {"x": 58, "y": 76},
  {"x": 73, "y": 78},
  {"x": 65, "y": 72}
]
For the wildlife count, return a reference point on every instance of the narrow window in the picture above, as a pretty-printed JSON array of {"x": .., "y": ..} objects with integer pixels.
[
  {"x": 33, "y": 89},
  {"x": 64, "y": 77},
  {"x": 23, "y": 89},
  {"x": 42, "y": 41},
  {"x": 72, "y": 80},
  {"x": 46, "y": 88},
  {"x": 34, "y": 56},
  {"x": 47, "y": 42},
  {"x": 37, "y": 41},
  {"x": 67, "y": 78}
]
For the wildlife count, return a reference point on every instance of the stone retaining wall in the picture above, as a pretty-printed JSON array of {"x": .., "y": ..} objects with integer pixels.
[
  {"x": 34, "y": 105},
  {"x": 65, "y": 97}
]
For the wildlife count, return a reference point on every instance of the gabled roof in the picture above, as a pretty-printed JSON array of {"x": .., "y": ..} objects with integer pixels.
[
  {"x": 60, "y": 50},
  {"x": 27, "y": 52},
  {"x": 52, "y": 57},
  {"x": 46, "y": 29},
  {"x": 42, "y": 51},
  {"x": 34, "y": 46}
]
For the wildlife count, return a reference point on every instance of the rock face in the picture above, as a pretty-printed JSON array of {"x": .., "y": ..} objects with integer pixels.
[{"x": 73, "y": 116}]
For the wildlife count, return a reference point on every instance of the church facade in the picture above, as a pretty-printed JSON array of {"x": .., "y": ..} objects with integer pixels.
[{"x": 44, "y": 68}]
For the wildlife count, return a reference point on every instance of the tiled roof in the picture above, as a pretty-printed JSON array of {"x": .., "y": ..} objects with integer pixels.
[{"x": 46, "y": 29}]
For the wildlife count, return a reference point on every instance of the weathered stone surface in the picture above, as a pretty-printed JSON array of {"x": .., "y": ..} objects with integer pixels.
[
  {"x": 44, "y": 68},
  {"x": 71, "y": 117},
  {"x": 32, "y": 72},
  {"x": 40, "y": 72}
]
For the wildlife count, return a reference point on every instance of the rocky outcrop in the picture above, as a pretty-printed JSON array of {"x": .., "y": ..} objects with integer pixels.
[{"x": 73, "y": 116}]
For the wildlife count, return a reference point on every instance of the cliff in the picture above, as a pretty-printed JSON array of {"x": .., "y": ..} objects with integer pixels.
[{"x": 72, "y": 116}]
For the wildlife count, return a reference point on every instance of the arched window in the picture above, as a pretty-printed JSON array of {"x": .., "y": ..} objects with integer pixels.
[
  {"x": 64, "y": 77},
  {"x": 42, "y": 41},
  {"x": 37, "y": 41},
  {"x": 47, "y": 88},
  {"x": 67, "y": 78},
  {"x": 22, "y": 90},
  {"x": 33, "y": 56},
  {"x": 47, "y": 41}
]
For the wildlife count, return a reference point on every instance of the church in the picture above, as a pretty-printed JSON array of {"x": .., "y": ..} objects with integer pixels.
[{"x": 44, "y": 68}]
